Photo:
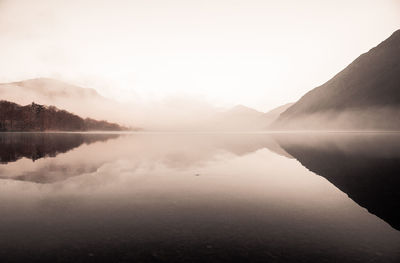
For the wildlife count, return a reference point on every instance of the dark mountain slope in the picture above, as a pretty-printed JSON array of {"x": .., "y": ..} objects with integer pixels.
[{"x": 368, "y": 89}]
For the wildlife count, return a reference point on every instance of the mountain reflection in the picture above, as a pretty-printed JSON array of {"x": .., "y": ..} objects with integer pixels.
[{"x": 364, "y": 166}]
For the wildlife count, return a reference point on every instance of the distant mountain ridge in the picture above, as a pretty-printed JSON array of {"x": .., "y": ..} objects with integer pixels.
[
  {"x": 243, "y": 118},
  {"x": 42, "y": 89},
  {"x": 276, "y": 112},
  {"x": 52, "y": 88},
  {"x": 360, "y": 96},
  {"x": 36, "y": 117}
]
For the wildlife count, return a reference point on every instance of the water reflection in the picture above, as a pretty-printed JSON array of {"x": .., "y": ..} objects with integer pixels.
[
  {"x": 187, "y": 198},
  {"x": 14, "y": 146},
  {"x": 174, "y": 151},
  {"x": 34, "y": 146},
  {"x": 364, "y": 166}
]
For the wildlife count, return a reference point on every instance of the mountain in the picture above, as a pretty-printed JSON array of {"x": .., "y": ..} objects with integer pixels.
[
  {"x": 364, "y": 95},
  {"x": 242, "y": 118},
  {"x": 84, "y": 102},
  {"x": 36, "y": 117},
  {"x": 274, "y": 114},
  {"x": 238, "y": 118},
  {"x": 53, "y": 89}
]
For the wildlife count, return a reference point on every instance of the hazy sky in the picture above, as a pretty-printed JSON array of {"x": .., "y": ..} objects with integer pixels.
[{"x": 253, "y": 52}]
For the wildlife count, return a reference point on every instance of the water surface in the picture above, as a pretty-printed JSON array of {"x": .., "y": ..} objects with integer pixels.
[{"x": 199, "y": 197}]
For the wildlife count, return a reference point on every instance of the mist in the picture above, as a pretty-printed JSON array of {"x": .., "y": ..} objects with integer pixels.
[
  {"x": 172, "y": 113},
  {"x": 362, "y": 119},
  {"x": 178, "y": 112},
  {"x": 261, "y": 54}
]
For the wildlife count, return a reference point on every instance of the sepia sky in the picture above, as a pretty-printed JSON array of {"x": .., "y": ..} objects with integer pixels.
[{"x": 258, "y": 53}]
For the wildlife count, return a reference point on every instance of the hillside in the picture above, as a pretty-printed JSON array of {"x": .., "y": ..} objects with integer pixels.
[
  {"x": 36, "y": 117},
  {"x": 365, "y": 95},
  {"x": 48, "y": 91}
]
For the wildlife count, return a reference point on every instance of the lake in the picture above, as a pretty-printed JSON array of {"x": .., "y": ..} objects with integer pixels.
[{"x": 199, "y": 197}]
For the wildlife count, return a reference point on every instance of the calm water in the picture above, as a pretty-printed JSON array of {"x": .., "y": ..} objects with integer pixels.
[{"x": 199, "y": 197}]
